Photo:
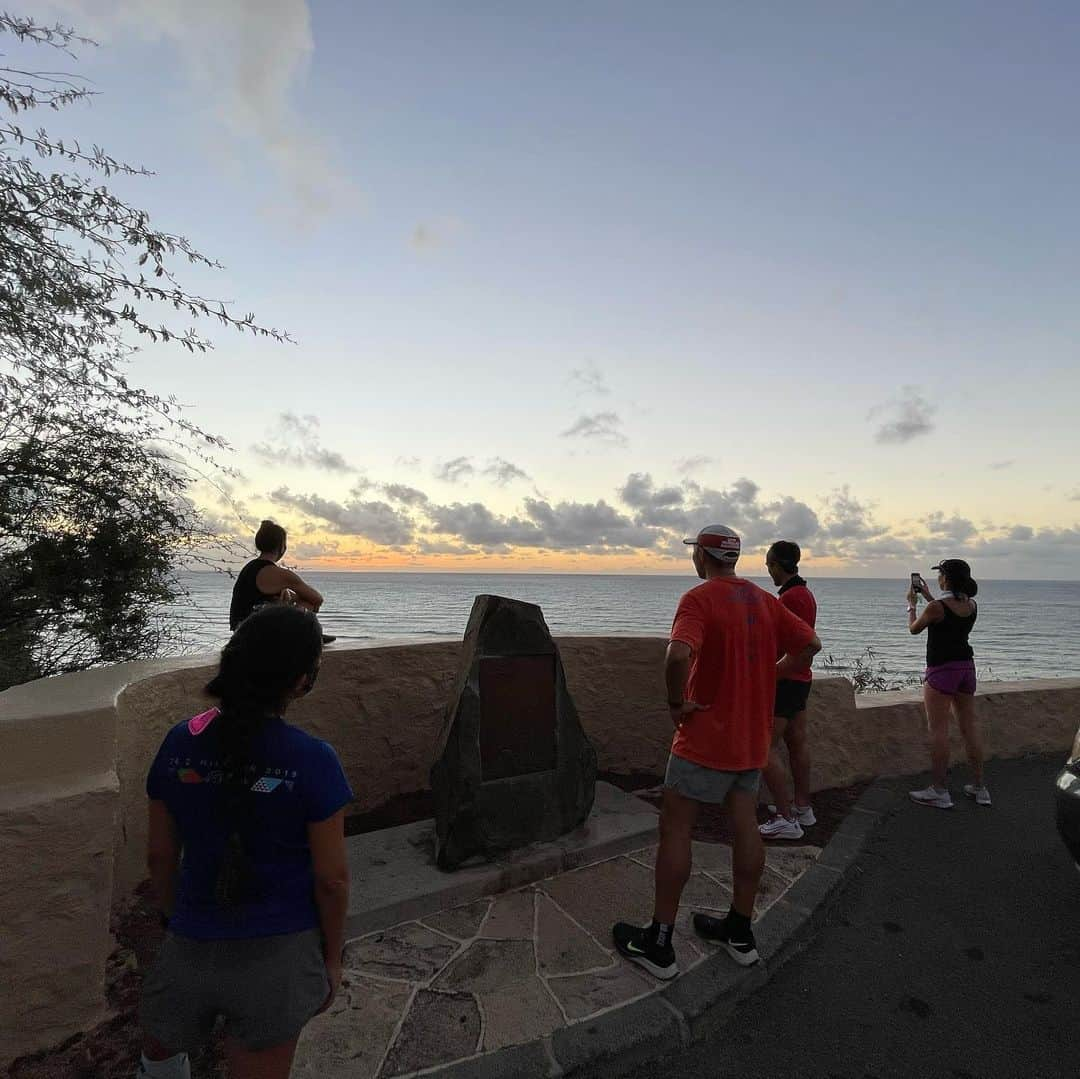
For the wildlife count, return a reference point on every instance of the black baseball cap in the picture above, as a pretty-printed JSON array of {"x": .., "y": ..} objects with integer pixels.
[{"x": 953, "y": 567}]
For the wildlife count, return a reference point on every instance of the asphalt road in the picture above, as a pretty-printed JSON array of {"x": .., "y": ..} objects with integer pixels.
[{"x": 954, "y": 952}]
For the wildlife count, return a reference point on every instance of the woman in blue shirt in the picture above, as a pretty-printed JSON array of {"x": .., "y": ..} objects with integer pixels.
[{"x": 246, "y": 853}]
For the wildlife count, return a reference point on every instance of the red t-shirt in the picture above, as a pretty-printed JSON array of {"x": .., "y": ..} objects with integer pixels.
[
  {"x": 798, "y": 599},
  {"x": 736, "y": 631}
]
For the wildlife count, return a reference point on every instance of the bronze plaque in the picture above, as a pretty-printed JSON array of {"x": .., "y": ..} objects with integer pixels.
[{"x": 517, "y": 716}]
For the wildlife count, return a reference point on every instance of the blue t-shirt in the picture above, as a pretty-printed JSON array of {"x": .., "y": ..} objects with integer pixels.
[{"x": 293, "y": 779}]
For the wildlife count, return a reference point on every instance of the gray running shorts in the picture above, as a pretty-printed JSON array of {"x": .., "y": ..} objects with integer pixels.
[
  {"x": 267, "y": 988},
  {"x": 707, "y": 784}
]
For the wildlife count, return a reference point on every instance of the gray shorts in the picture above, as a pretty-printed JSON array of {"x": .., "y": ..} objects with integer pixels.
[
  {"x": 708, "y": 784},
  {"x": 267, "y": 988}
]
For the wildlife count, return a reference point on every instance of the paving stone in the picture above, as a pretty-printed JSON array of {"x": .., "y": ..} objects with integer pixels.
[
  {"x": 771, "y": 888},
  {"x": 511, "y": 917},
  {"x": 779, "y": 930},
  {"x": 351, "y": 1037},
  {"x": 489, "y": 965},
  {"x": 584, "y": 994},
  {"x": 605, "y": 893},
  {"x": 816, "y": 886},
  {"x": 706, "y": 856},
  {"x": 519, "y": 1062},
  {"x": 708, "y": 995},
  {"x": 644, "y": 1031},
  {"x": 461, "y": 923},
  {"x": 439, "y": 1028},
  {"x": 790, "y": 862},
  {"x": 561, "y": 946},
  {"x": 526, "y": 1013},
  {"x": 411, "y": 952}
]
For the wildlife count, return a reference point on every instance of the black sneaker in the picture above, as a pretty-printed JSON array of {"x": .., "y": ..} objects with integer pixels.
[
  {"x": 742, "y": 949},
  {"x": 639, "y": 946}
]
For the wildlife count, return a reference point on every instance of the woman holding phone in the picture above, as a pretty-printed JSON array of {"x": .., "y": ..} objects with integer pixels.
[
  {"x": 949, "y": 681},
  {"x": 246, "y": 852}
]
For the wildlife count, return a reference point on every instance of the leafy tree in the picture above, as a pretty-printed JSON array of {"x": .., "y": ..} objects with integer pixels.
[{"x": 95, "y": 514}]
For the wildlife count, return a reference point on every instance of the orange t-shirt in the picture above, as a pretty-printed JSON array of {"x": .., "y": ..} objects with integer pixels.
[{"x": 736, "y": 631}]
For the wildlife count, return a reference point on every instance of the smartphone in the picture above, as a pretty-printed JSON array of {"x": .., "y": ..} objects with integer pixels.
[{"x": 917, "y": 582}]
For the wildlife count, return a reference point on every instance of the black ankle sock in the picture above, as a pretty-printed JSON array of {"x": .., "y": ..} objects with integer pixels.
[
  {"x": 738, "y": 924},
  {"x": 661, "y": 933}
]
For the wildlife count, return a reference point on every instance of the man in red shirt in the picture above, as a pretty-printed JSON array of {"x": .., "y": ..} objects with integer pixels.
[
  {"x": 720, "y": 671},
  {"x": 792, "y": 693}
]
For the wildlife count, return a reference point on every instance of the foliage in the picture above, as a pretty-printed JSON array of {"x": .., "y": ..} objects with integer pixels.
[
  {"x": 868, "y": 673},
  {"x": 94, "y": 471}
]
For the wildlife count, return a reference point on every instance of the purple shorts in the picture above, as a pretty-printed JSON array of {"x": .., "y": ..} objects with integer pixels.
[{"x": 952, "y": 678}]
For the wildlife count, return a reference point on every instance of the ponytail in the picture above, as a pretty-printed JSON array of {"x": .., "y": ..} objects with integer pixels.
[{"x": 260, "y": 667}]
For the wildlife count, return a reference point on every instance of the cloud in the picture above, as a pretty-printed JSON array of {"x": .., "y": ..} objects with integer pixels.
[
  {"x": 565, "y": 526},
  {"x": 954, "y": 528},
  {"x": 378, "y": 522},
  {"x": 997, "y": 466},
  {"x": 599, "y": 427},
  {"x": 579, "y": 525},
  {"x": 687, "y": 465},
  {"x": 295, "y": 441},
  {"x": 1021, "y": 533},
  {"x": 476, "y": 524},
  {"x": 502, "y": 472},
  {"x": 758, "y": 523},
  {"x": 455, "y": 471},
  {"x": 659, "y": 507},
  {"x": 408, "y": 496},
  {"x": 1074, "y": 496},
  {"x": 314, "y": 550},
  {"x": 410, "y": 464},
  {"x": 433, "y": 235},
  {"x": 907, "y": 416},
  {"x": 589, "y": 379},
  {"x": 847, "y": 518},
  {"x": 246, "y": 62}
]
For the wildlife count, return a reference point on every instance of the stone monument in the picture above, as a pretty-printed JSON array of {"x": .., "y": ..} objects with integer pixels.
[{"x": 512, "y": 765}]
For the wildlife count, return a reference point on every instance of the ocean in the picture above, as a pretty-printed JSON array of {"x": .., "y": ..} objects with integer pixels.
[{"x": 1026, "y": 629}]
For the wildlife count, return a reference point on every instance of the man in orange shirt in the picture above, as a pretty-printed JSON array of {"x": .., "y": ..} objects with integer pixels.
[
  {"x": 721, "y": 671},
  {"x": 789, "y": 715}
]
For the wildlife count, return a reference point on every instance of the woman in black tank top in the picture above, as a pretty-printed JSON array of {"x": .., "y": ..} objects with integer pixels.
[
  {"x": 949, "y": 681},
  {"x": 263, "y": 581}
]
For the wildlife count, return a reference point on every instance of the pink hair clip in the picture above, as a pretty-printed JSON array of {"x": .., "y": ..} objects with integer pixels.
[{"x": 198, "y": 724}]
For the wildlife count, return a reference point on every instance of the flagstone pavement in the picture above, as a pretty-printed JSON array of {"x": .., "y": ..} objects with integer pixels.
[{"x": 513, "y": 967}]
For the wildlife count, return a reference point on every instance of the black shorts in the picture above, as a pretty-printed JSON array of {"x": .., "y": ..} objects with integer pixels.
[{"x": 791, "y": 698}]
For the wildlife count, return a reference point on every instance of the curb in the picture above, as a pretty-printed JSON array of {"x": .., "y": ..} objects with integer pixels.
[{"x": 702, "y": 1000}]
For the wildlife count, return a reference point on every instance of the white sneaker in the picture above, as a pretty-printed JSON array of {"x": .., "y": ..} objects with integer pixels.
[
  {"x": 932, "y": 796},
  {"x": 805, "y": 814},
  {"x": 980, "y": 794},
  {"x": 781, "y": 828}
]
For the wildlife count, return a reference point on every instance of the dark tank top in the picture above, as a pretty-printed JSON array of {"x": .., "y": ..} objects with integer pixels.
[
  {"x": 947, "y": 640},
  {"x": 245, "y": 594}
]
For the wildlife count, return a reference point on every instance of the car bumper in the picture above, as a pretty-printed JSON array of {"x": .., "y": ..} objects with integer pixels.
[{"x": 1067, "y": 797}]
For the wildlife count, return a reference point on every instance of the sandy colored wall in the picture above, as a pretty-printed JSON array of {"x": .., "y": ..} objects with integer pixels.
[{"x": 74, "y": 753}]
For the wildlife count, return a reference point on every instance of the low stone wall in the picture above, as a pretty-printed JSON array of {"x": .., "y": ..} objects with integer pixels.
[{"x": 74, "y": 752}]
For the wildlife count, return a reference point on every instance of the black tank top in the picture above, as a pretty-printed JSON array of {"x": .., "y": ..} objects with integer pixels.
[
  {"x": 245, "y": 594},
  {"x": 947, "y": 640}
]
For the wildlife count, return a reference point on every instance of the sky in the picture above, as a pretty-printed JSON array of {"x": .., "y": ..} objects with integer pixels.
[{"x": 568, "y": 281}]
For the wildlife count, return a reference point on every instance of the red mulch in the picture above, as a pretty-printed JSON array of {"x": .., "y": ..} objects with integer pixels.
[{"x": 111, "y": 1049}]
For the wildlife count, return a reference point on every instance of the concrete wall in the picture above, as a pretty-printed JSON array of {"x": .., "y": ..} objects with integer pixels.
[{"x": 74, "y": 753}]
